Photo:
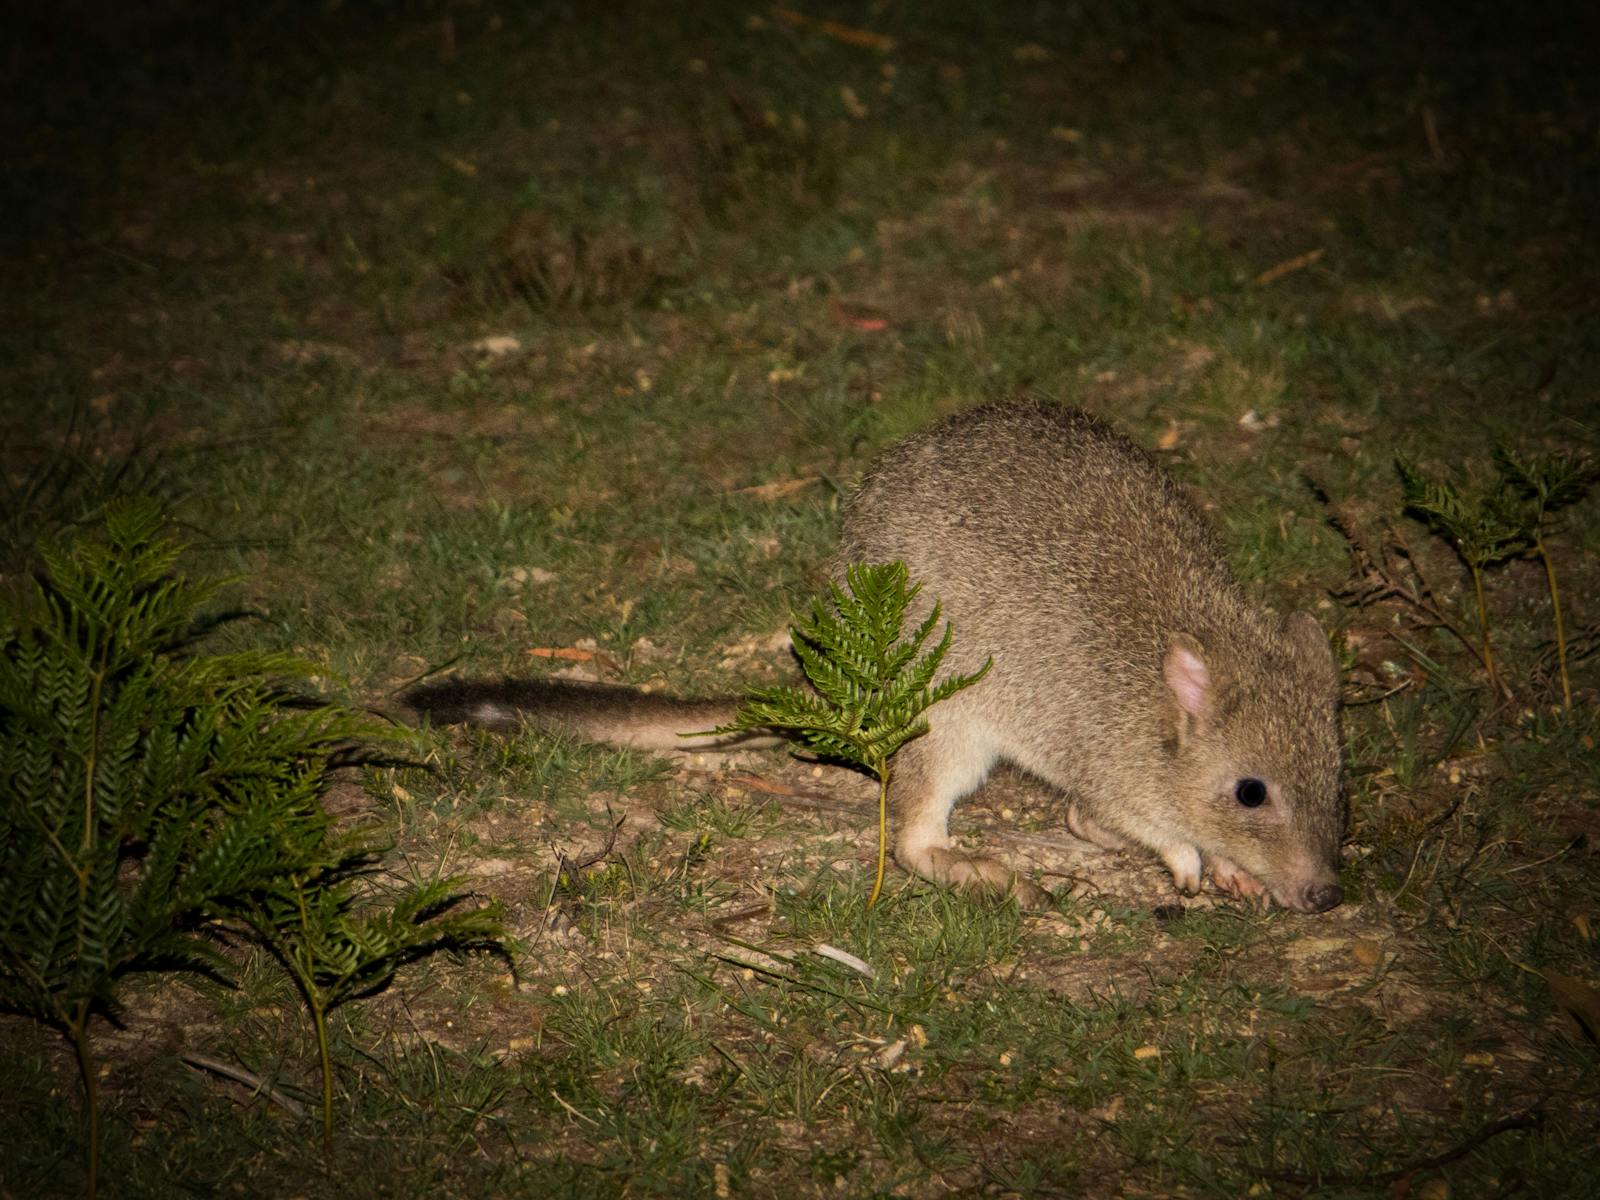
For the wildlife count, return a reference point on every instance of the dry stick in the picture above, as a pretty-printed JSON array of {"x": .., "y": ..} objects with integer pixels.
[
  {"x": 250, "y": 1080},
  {"x": 850, "y": 35},
  {"x": 581, "y": 1116},
  {"x": 1530, "y": 1120}
]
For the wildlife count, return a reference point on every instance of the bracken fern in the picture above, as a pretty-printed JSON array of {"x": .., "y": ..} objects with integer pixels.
[
  {"x": 1545, "y": 484},
  {"x": 339, "y": 945},
  {"x": 871, "y": 689},
  {"x": 150, "y": 795}
]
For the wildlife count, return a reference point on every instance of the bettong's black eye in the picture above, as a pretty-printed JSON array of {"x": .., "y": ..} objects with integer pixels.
[{"x": 1251, "y": 793}]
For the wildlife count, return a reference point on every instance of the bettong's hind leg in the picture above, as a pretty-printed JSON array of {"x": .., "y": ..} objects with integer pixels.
[{"x": 930, "y": 775}]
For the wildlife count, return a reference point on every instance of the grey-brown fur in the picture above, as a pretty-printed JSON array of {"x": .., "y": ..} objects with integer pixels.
[
  {"x": 1130, "y": 669},
  {"x": 1061, "y": 550}
]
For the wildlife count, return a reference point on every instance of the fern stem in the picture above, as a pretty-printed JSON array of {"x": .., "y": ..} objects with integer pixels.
[
  {"x": 1561, "y": 631},
  {"x": 306, "y": 968},
  {"x": 83, "y": 868},
  {"x": 883, "y": 834},
  {"x": 90, "y": 766},
  {"x": 319, "y": 1018},
  {"x": 91, "y": 1094},
  {"x": 1483, "y": 625}
]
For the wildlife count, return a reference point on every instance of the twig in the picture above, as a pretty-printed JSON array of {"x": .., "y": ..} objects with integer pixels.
[
  {"x": 239, "y": 1075},
  {"x": 573, "y": 1111},
  {"x": 565, "y": 866},
  {"x": 583, "y": 864},
  {"x": 1357, "y": 701},
  {"x": 734, "y": 918},
  {"x": 1576, "y": 843}
]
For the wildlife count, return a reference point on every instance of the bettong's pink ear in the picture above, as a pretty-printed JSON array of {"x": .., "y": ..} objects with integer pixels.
[{"x": 1188, "y": 678}]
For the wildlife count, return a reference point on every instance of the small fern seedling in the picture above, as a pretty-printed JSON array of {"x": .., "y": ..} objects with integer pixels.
[
  {"x": 339, "y": 944},
  {"x": 1545, "y": 484},
  {"x": 1483, "y": 527},
  {"x": 871, "y": 688}
]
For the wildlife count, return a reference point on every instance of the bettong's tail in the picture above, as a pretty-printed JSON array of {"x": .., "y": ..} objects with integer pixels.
[{"x": 596, "y": 712}]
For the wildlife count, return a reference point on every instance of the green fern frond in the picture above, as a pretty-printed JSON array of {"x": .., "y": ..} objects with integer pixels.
[
  {"x": 1484, "y": 526},
  {"x": 871, "y": 688},
  {"x": 1549, "y": 481},
  {"x": 148, "y": 792}
]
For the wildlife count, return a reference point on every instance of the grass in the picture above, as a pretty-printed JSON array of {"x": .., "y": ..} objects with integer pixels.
[{"x": 463, "y": 331}]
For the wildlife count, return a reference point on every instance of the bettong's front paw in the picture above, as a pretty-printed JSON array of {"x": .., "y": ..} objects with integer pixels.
[{"x": 1240, "y": 884}]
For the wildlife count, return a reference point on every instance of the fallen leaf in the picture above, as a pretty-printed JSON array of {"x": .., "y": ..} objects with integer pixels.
[
  {"x": 778, "y": 488},
  {"x": 497, "y": 346},
  {"x": 859, "y": 316},
  {"x": 1367, "y": 953},
  {"x": 1109, "y": 1111},
  {"x": 1288, "y": 266},
  {"x": 568, "y": 653},
  {"x": 845, "y": 958},
  {"x": 533, "y": 575}
]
